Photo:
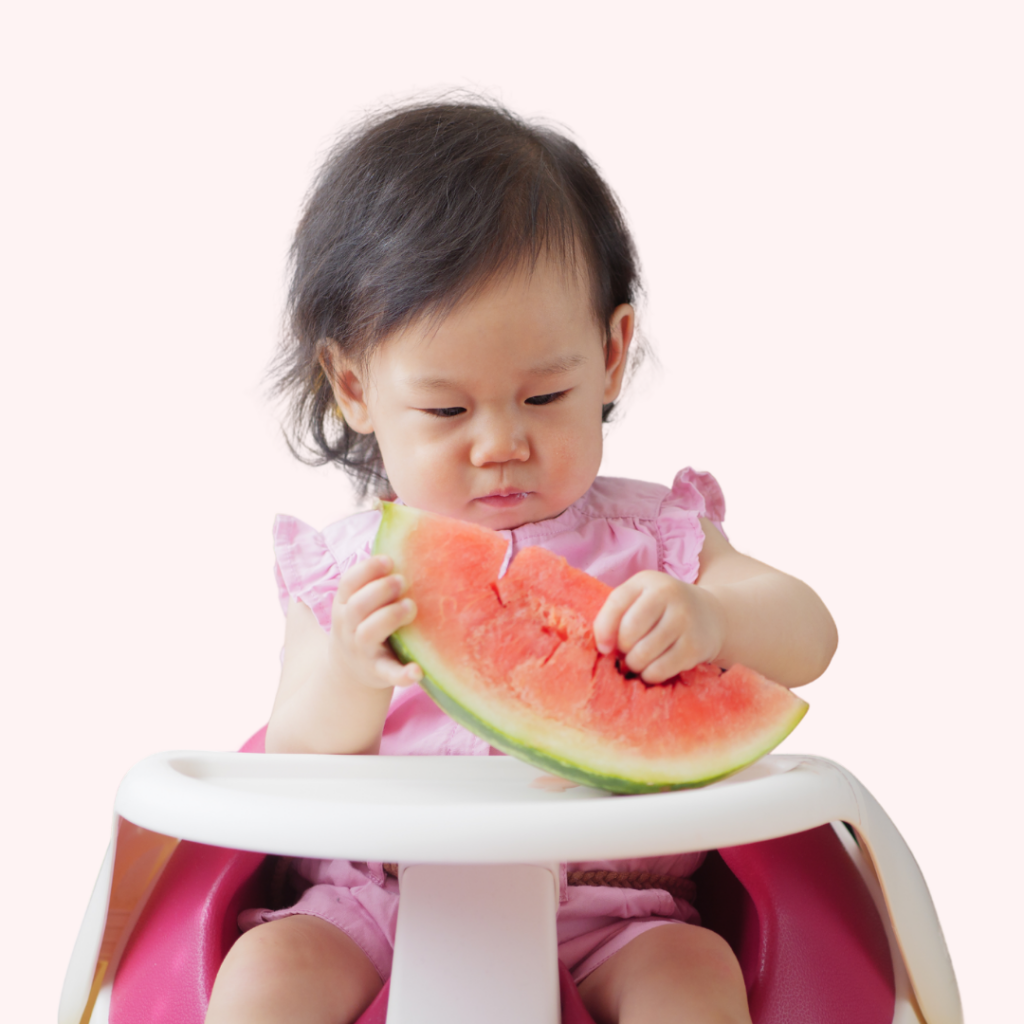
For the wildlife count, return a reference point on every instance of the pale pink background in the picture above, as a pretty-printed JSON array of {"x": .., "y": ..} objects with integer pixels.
[{"x": 827, "y": 201}]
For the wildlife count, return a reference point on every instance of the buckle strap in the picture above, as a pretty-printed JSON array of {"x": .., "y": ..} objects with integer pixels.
[{"x": 681, "y": 888}]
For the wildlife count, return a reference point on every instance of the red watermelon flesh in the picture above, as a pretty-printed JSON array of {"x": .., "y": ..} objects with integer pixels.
[{"x": 515, "y": 661}]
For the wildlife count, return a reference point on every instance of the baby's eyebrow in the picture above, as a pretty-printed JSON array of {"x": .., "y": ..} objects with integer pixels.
[
  {"x": 559, "y": 365},
  {"x": 431, "y": 383}
]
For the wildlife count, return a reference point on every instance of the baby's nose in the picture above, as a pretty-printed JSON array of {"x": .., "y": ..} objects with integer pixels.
[{"x": 500, "y": 439}]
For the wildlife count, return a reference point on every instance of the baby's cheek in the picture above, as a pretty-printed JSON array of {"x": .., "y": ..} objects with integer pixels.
[{"x": 580, "y": 459}]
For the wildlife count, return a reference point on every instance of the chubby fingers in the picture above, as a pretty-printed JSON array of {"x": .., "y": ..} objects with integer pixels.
[
  {"x": 369, "y": 603},
  {"x": 360, "y": 574},
  {"x": 378, "y": 625},
  {"x": 647, "y": 619},
  {"x": 608, "y": 631},
  {"x": 392, "y": 672}
]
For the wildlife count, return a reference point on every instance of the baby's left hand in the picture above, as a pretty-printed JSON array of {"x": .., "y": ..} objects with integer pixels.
[{"x": 662, "y": 625}]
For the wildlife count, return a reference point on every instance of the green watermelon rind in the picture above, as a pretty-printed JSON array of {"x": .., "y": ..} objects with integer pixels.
[
  {"x": 547, "y": 761},
  {"x": 655, "y": 777}
]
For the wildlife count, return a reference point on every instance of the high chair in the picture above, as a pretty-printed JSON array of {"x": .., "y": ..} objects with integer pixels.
[{"x": 811, "y": 884}]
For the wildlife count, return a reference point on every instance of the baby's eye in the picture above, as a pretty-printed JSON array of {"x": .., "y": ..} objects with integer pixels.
[
  {"x": 546, "y": 399},
  {"x": 452, "y": 410}
]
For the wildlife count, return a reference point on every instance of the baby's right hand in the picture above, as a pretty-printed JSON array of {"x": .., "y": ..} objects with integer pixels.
[{"x": 368, "y": 608}]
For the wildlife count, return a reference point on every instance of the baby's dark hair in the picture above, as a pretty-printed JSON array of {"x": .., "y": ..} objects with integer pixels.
[{"x": 410, "y": 212}]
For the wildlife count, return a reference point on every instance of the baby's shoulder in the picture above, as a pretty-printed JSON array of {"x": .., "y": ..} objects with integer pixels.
[
  {"x": 341, "y": 538},
  {"x": 353, "y": 534},
  {"x": 613, "y": 497},
  {"x": 309, "y": 562}
]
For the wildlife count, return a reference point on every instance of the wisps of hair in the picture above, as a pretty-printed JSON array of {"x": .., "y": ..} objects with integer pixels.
[{"x": 410, "y": 212}]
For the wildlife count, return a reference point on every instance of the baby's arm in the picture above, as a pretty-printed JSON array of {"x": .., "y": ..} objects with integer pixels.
[
  {"x": 739, "y": 610},
  {"x": 336, "y": 687}
]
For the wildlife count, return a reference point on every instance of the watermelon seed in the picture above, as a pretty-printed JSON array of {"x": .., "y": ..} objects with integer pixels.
[
  {"x": 625, "y": 671},
  {"x": 497, "y": 594}
]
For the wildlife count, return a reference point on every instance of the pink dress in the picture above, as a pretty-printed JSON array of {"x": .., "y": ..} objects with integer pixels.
[{"x": 618, "y": 528}]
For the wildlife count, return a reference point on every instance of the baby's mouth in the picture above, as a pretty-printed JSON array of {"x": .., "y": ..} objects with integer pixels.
[{"x": 504, "y": 499}]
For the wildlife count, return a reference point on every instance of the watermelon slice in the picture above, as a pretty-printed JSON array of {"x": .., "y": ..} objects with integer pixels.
[{"x": 514, "y": 660}]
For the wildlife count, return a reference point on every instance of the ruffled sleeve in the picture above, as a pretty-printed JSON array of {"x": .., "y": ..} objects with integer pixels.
[
  {"x": 680, "y": 535},
  {"x": 308, "y": 563}
]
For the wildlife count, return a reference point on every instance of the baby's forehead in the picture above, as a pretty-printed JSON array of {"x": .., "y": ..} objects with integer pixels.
[
  {"x": 544, "y": 300},
  {"x": 545, "y": 287}
]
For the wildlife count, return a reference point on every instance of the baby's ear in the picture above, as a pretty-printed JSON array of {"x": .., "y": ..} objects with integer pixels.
[
  {"x": 347, "y": 385},
  {"x": 620, "y": 334}
]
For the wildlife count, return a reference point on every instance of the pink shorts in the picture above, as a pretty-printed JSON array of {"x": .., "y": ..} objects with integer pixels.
[{"x": 594, "y": 922}]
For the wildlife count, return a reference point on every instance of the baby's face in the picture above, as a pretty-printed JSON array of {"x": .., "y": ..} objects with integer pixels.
[{"x": 494, "y": 414}]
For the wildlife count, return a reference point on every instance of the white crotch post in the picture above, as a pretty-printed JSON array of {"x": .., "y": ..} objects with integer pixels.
[{"x": 476, "y": 942}]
